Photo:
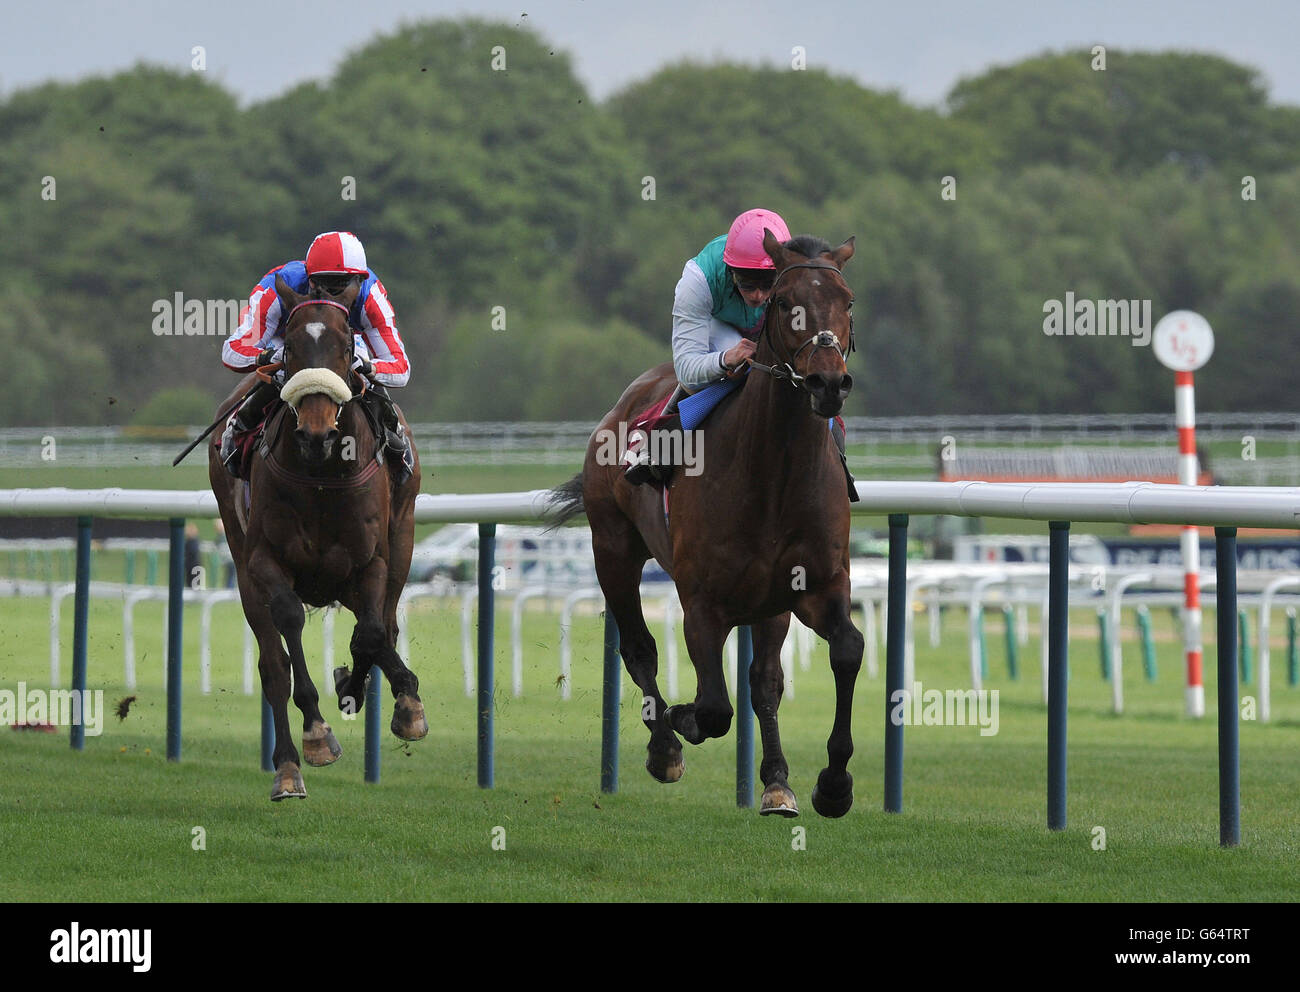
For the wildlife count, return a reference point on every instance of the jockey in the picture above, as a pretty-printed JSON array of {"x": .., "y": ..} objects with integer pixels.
[
  {"x": 717, "y": 313},
  {"x": 335, "y": 261},
  {"x": 720, "y": 300}
]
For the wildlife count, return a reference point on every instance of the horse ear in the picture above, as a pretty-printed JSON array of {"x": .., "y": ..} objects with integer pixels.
[
  {"x": 288, "y": 298},
  {"x": 773, "y": 248},
  {"x": 349, "y": 295},
  {"x": 843, "y": 253}
]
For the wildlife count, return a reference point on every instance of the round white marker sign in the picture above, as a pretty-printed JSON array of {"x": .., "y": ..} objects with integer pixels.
[{"x": 1183, "y": 341}]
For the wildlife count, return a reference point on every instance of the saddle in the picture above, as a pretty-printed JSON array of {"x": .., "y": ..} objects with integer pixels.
[
  {"x": 657, "y": 433},
  {"x": 682, "y": 411}
]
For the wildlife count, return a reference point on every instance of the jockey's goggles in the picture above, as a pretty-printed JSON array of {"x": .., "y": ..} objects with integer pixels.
[
  {"x": 334, "y": 283},
  {"x": 752, "y": 280}
]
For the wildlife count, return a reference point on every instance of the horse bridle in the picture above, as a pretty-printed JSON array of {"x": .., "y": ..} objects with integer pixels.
[
  {"x": 268, "y": 443},
  {"x": 352, "y": 348},
  {"x": 821, "y": 339}
]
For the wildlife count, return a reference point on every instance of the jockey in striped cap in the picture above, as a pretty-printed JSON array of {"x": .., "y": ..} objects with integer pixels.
[{"x": 335, "y": 261}]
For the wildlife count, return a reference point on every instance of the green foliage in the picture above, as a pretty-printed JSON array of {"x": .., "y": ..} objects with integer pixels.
[
  {"x": 498, "y": 374},
  {"x": 175, "y": 406},
  {"x": 1143, "y": 109},
  {"x": 479, "y": 188}
]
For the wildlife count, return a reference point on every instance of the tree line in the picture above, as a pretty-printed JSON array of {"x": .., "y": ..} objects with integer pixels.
[{"x": 530, "y": 237}]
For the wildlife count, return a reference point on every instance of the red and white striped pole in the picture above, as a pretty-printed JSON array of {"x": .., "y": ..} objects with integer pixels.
[
  {"x": 1184, "y": 342},
  {"x": 1188, "y": 474}
]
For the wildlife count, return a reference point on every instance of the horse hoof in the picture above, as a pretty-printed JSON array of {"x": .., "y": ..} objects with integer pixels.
[
  {"x": 668, "y": 769},
  {"x": 833, "y": 803},
  {"x": 779, "y": 799},
  {"x": 287, "y": 783},
  {"x": 408, "y": 722},
  {"x": 319, "y": 746},
  {"x": 348, "y": 705}
]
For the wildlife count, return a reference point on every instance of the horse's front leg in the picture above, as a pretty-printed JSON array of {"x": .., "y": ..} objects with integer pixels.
[
  {"x": 372, "y": 645},
  {"x": 710, "y": 715},
  {"x": 286, "y": 613},
  {"x": 827, "y": 612},
  {"x": 766, "y": 686}
]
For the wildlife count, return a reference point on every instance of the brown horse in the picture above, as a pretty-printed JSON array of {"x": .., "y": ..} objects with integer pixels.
[
  {"x": 322, "y": 524},
  {"x": 761, "y": 531}
]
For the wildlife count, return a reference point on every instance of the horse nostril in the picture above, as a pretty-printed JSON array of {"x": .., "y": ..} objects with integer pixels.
[
  {"x": 846, "y": 384},
  {"x": 331, "y": 436},
  {"x": 816, "y": 383}
]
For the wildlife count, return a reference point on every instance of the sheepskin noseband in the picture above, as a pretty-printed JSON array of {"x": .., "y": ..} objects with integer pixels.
[{"x": 308, "y": 381}]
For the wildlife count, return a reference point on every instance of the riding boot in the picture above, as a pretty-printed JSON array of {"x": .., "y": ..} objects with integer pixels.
[
  {"x": 837, "y": 432},
  {"x": 246, "y": 419},
  {"x": 396, "y": 444},
  {"x": 639, "y": 455}
]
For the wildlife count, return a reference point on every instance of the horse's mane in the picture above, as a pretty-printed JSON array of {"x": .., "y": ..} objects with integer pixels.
[{"x": 807, "y": 245}]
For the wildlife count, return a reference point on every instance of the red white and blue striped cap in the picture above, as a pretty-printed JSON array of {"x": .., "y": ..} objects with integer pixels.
[{"x": 336, "y": 251}]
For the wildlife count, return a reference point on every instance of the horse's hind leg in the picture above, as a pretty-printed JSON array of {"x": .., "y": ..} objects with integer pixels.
[
  {"x": 373, "y": 641},
  {"x": 620, "y": 554},
  {"x": 766, "y": 686},
  {"x": 828, "y": 615}
]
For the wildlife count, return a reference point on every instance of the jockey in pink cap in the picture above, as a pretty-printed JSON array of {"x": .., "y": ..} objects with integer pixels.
[
  {"x": 335, "y": 261},
  {"x": 720, "y": 300},
  {"x": 717, "y": 312}
]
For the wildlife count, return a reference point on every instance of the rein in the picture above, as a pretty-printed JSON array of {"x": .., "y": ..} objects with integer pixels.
[{"x": 822, "y": 339}]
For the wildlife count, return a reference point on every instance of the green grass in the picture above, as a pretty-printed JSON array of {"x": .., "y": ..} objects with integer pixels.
[{"x": 116, "y": 821}]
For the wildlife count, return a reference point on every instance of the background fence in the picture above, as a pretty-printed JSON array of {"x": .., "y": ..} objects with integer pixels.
[{"x": 1221, "y": 507}]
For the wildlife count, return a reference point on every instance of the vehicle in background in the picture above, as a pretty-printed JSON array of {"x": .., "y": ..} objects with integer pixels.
[{"x": 524, "y": 556}]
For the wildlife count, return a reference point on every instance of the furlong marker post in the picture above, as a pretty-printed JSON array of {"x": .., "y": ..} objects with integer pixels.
[
  {"x": 1185, "y": 418},
  {"x": 1184, "y": 342}
]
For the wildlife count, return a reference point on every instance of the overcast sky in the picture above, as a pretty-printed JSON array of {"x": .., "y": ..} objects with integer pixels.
[{"x": 919, "y": 47}]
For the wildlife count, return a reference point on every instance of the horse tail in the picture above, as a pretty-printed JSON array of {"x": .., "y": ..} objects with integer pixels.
[{"x": 564, "y": 503}]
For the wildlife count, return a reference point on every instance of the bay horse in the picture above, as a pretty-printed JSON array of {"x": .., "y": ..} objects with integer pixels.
[
  {"x": 322, "y": 524},
  {"x": 761, "y": 532}
]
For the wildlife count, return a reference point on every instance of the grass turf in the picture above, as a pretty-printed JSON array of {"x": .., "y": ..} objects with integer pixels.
[{"x": 117, "y": 822}]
